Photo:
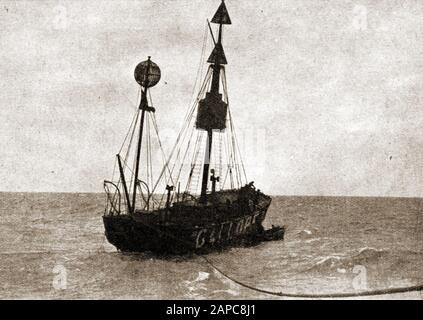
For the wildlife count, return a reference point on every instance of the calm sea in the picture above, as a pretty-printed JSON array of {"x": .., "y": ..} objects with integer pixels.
[{"x": 53, "y": 246}]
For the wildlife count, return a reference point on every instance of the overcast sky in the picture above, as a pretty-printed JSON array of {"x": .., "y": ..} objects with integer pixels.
[{"x": 327, "y": 94}]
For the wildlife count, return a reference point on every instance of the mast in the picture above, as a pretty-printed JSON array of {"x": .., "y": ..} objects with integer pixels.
[
  {"x": 147, "y": 74},
  {"x": 212, "y": 110},
  {"x": 143, "y": 103}
]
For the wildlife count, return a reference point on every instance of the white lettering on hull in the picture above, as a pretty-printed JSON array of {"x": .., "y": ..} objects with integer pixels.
[
  {"x": 201, "y": 239},
  {"x": 215, "y": 234}
]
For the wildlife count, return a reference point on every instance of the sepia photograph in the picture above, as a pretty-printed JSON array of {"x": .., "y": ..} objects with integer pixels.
[{"x": 211, "y": 150}]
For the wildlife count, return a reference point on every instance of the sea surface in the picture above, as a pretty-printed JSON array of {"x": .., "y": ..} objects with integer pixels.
[{"x": 52, "y": 246}]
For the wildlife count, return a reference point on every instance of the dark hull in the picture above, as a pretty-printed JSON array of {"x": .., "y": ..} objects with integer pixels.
[{"x": 186, "y": 233}]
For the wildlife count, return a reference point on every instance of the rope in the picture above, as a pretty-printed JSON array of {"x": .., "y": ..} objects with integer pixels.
[
  {"x": 319, "y": 295},
  {"x": 379, "y": 292}
]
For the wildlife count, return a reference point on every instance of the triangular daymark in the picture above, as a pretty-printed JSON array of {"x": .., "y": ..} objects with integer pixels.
[{"x": 222, "y": 15}]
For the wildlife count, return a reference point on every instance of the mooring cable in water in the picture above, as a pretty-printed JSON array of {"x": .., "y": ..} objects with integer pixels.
[
  {"x": 318, "y": 295},
  {"x": 369, "y": 293}
]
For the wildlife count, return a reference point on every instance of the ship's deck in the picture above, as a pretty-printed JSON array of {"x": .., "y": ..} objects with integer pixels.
[{"x": 223, "y": 205}]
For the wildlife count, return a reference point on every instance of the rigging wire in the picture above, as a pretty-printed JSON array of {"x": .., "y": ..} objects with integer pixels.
[
  {"x": 201, "y": 64},
  {"x": 134, "y": 119},
  {"x": 184, "y": 158},
  {"x": 180, "y": 149},
  {"x": 126, "y": 159},
  {"x": 132, "y": 138},
  {"x": 232, "y": 153},
  {"x": 237, "y": 171},
  {"x": 148, "y": 145},
  {"x": 228, "y": 159},
  {"x": 156, "y": 128},
  {"x": 233, "y": 160},
  {"x": 130, "y": 129},
  {"x": 235, "y": 148},
  {"x": 127, "y": 155},
  {"x": 182, "y": 134},
  {"x": 194, "y": 165},
  {"x": 150, "y": 123},
  {"x": 220, "y": 159},
  {"x": 225, "y": 86},
  {"x": 185, "y": 155}
]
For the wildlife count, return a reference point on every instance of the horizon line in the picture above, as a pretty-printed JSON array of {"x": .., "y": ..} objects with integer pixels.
[{"x": 272, "y": 195}]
